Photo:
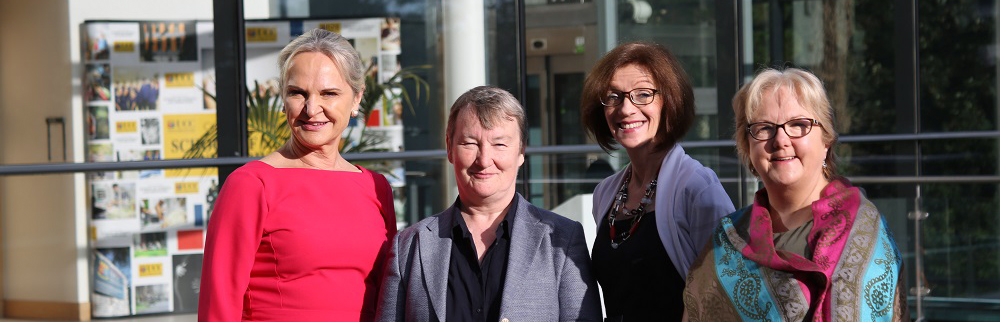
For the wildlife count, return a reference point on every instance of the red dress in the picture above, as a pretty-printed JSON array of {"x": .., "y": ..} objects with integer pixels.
[{"x": 292, "y": 244}]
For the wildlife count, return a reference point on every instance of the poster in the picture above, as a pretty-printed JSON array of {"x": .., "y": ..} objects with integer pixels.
[
  {"x": 148, "y": 89},
  {"x": 187, "y": 282},
  {"x": 111, "y": 286},
  {"x": 152, "y": 298}
]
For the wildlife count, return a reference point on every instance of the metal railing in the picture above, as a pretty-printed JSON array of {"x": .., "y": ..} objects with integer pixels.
[{"x": 70, "y": 167}]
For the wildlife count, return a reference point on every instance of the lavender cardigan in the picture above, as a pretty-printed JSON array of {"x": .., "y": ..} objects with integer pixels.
[{"x": 690, "y": 202}]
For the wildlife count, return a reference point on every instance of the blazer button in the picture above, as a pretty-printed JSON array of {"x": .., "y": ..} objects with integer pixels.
[{"x": 504, "y": 320}]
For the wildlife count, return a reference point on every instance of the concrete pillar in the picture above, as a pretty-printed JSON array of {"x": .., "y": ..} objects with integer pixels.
[{"x": 463, "y": 34}]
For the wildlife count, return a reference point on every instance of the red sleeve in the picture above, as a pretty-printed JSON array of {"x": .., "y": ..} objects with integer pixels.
[
  {"x": 234, "y": 234},
  {"x": 388, "y": 208},
  {"x": 385, "y": 198}
]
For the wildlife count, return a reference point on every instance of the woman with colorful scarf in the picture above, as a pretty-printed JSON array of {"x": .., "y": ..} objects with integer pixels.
[{"x": 812, "y": 246}]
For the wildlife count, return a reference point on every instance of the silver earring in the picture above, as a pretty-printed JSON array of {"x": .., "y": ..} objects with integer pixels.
[
  {"x": 355, "y": 113},
  {"x": 824, "y": 164}
]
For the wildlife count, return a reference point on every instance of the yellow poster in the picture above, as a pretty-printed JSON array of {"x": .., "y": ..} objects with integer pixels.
[
  {"x": 179, "y": 79},
  {"x": 262, "y": 34},
  {"x": 126, "y": 127},
  {"x": 185, "y": 187},
  {"x": 124, "y": 46},
  {"x": 331, "y": 26},
  {"x": 180, "y": 131},
  {"x": 148, "y": 270}
]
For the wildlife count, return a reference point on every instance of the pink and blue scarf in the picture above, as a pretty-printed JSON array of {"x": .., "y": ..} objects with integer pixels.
[{"x": 855, "y": 273}]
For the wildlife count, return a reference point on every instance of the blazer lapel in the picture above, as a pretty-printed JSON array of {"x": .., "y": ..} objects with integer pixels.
[
  {"x": 525, "y": 238},
  {"x": 435, "y": 256}
]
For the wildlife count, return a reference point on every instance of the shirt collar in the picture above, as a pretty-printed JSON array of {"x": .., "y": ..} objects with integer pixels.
[{"x": 458, "y": 224}]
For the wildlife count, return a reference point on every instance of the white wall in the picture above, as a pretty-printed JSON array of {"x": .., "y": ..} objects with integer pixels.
[{"x": 39, "y": 225}]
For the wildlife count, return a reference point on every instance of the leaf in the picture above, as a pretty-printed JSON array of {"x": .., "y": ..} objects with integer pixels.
[{"x": 268, "y": 129}]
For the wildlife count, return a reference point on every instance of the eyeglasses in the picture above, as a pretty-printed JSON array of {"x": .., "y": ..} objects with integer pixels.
[
  {"x": 796, "y": 128},
  {"x": 638, "y": 96}
]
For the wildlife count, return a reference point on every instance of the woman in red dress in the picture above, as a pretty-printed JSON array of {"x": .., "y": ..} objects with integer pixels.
[{"x": 302, "y": 234}]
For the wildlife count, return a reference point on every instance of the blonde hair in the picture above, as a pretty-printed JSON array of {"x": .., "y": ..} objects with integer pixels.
[
  {"x": 809, "y": 93},
  {"x": 331, "y": 44}
]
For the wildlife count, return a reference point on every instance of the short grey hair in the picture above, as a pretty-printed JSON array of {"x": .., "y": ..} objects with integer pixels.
[
  {"x": 491, "y": 105},
  {"x": 332, "y": 45}
]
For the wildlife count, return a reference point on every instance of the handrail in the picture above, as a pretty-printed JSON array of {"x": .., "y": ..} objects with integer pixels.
[{"x": 70, "y": 167}]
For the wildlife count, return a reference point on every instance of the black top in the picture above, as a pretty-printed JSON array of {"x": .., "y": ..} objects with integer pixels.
[
  {"x": 474, "y": 288},
  {"x": 639, "y": 281}
]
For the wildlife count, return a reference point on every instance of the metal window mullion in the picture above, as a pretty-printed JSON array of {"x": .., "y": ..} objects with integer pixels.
[
  {"x": 908, "y": 120},
  {"x": 729, "y": 60},
  {"x": 230, "y": 75}
]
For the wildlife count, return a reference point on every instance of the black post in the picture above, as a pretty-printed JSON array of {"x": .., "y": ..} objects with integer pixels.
[
  {"x": 907, "y": 89},
  {"x": 776, "y": 29},
  {"x": 729, "y": 56},
  {"x": 230, "y": 75}
]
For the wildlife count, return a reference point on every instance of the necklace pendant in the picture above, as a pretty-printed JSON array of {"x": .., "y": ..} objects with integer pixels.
[{"x": 614, "y": 245}]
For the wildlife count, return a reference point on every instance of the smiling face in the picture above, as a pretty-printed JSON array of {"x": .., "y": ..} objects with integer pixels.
[
  {"x": 318, "y": 101},
  {"x": 485, "y": 160},
  {"x": 633, "y": 125},
  {"x": 784, "y": 162}
]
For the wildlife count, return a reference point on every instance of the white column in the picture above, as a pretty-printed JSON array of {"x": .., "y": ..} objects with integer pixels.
[{"x": 463, "y": 34}]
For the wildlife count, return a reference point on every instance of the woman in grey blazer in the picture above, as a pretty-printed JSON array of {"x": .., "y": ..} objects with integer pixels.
[{"x": 492, "y": 255}]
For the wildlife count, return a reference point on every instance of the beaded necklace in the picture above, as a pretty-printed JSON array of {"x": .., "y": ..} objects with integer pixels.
[{"x": 619, "y": 208}]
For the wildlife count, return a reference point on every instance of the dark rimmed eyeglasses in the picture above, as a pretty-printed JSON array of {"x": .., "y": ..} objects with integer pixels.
[
  {"x": 638, "y": 96},
  {"x": 795, "y": 128}
]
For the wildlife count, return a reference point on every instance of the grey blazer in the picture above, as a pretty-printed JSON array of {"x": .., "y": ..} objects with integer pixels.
[{"x": 548, "y": 271}]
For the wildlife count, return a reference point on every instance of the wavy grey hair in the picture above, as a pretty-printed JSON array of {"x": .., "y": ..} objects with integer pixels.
[{"x": 332, "y": 45}]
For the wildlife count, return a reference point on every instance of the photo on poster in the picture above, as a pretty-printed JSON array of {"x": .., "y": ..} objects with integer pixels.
[
  {"x": 113, "y": 200},
  {"x": 390, "y": 34},
  {"x": 150, "y": 244},
  {"x": 136, "y": 88},
  {"x": 100, "y": 175},
  {"x": 188, "y": 240},
  {"x": 150, "y": 130},
  {"x": 388, "y": 66},
  {"x": 98, "y": 127},
  {"x": 95, "y": 43},
  {"x": 159, "y": 213},
  {"x": 152, "y": 298},
  {"x": 111, "y": 269},
  {"x": 187, "y": 282},
  {"x": 208, "y": 91},
  {"x": 97, "y": 82},
  {"x": 100, "y": 152},
  {"x": 168, "y": 41},
  {"x": 146, "y": 174},
  {"x": 151, "y": 155},
  {"x": 368, "y": 49},
  {"x": 138, "y": 155},
  {"x": 110, "y": 296}
]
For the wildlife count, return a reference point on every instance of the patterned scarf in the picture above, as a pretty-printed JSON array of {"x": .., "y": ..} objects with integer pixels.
[{"x": 854, "y": 273}]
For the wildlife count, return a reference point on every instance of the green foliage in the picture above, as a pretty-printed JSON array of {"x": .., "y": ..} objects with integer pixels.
[
  {"x": 268, "y": 129},
  {"x": 958, "y": 92}
]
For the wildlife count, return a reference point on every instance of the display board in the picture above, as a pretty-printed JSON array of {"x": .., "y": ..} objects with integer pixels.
[{"x": 147, "y": 92}]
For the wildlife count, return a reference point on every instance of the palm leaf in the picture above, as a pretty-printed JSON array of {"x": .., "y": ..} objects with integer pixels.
[{"x": 268, "y": 129}]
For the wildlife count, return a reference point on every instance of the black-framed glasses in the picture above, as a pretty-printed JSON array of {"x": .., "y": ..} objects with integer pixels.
[
  {"x": 795, "y": 128},
  {"x": 638, "y": 96}
]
